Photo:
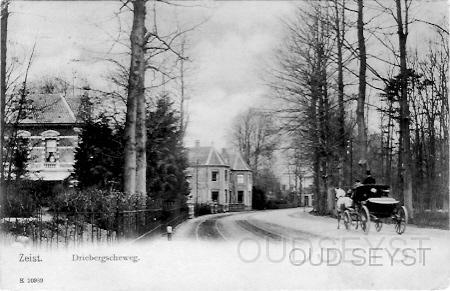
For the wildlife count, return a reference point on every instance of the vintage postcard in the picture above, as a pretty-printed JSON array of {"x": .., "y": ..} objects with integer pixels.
[{"x": 224, "y": 145}]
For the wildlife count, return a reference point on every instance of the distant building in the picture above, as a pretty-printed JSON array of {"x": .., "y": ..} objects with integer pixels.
[
  {"x": 307, "y": 196},
  {"x": 222, "y": 179},
  {"x": 51, "y": 129},
  {"x": 299, "y": 186}
]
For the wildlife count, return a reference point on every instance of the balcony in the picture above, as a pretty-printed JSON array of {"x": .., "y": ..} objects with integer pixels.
[
  {"x": 50, "y": 171},
  {"x": 49, "y": 165}
]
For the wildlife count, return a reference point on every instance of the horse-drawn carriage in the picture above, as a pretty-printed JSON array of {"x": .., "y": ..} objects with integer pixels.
[{"x": 372, "y": 203}]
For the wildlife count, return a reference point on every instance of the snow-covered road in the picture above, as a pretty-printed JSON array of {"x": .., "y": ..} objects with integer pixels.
[
  {"x": 289, "y": 239},
  {"x": 286, "y": 224},
  {"x": 269, "y": 250}
]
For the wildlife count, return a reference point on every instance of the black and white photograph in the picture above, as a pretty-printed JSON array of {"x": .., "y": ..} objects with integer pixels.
[{"x": 224, "y": 145}]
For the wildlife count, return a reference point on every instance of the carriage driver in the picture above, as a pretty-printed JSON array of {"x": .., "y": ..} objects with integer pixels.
[
  {"x": 357, "y": 183},
  {"x": 369, "y": 179},
  {"x": 350, "y": 191}
]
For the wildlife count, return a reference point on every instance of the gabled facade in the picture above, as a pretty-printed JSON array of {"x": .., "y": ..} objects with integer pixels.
[
  {"x": 52, "y": 132},
  {"x": 223, "y": 179}
]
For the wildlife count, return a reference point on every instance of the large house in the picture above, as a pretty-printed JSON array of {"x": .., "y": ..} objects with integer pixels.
[
  {"x": 222, "y": 179},
  {"x": 52, "y": 129}
]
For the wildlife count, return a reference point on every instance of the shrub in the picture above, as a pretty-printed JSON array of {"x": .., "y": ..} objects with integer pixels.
[
  {"x": 22, "y": 198},
  {"x": 92, "y": 199},
  {"x": 258, "y": 199},
  {"x": 202, "y": 209},
  {"x": 272, "y": 204},
  {"x": 431, "y": 219}
]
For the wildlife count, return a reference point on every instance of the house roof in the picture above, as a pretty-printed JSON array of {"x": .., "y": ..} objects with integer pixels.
[
  {"x": 209, "y": 156},
  {"x": 205, "y": 156},
  {"x": 235, "y": 160},
  {"x": 74, "y": 103},
  {"x": 52, "y": 108}
]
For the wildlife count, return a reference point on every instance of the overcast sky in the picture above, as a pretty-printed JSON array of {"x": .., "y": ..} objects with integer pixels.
[{"x": 229, "y": 52}]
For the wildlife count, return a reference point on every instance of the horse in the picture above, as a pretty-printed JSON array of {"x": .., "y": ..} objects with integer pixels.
[{"x": 342, "y": 202}]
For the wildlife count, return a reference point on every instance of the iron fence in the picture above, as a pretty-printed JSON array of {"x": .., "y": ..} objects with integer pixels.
[{"x": 55, "y": 229}]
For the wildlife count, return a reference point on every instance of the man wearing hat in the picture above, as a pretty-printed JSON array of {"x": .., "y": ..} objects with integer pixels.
[{"x": 369, "y": 179}]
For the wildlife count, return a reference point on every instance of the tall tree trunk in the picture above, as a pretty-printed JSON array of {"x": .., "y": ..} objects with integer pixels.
[
  {"x": 322, "y": 151},
  {"x": 422, "y": 205},
  {"x": 326, "y": 127},
  {"x": 141, "y": 131},
  {"x": 389, "y": 147},
  {"x": 316, "y": 144},
  {"x": 182, "y": 90},
  {"x": 433, "y": 170},
  {"x": 141, "y": 149},
  {"x": 340, "y": 34},
  {"x": 404, "y": 109},
  {"x": 362, "y": 134},
  {"x": 135, "y": 94},
  {"x": 3, "y": 44}
]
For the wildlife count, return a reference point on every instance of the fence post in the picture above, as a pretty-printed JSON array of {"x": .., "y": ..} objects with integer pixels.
[
  {"x": 136, "y": 224},
  {"x": 116, "y": 220},
  {"x": 97, "y": 228},
  {"x": 92, "y": 226},
  {"x": 40, "y": 228},
  {"x": 57, "y": 228},
  {"x": 66, "y": 227}
]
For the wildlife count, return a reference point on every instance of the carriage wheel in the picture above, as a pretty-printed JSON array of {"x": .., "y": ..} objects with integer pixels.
[
  {"x": 347, "y": 220},
  {"x": 378, "y": 225},
  {"x": 401, "y": 219},
  {"x": 364, "y": 218}
]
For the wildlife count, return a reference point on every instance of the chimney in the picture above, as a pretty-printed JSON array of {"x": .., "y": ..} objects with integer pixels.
[{"x": 197, "y": 143}]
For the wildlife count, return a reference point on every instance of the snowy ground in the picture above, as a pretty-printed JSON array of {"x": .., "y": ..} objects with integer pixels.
[{"x": 270, "y": 250}]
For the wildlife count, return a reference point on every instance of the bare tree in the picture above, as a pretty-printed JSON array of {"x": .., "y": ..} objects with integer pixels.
[
  {"x": 135, "y": 96},
  {"x": 3, "y": 46},
  {"x": 148, "y": 45},
  {"x": 183, "y": 97},
  {"x": 360, "y": 116},
  {"x": 428, "y": 100},
  {"x": 340, "y": 28},
  {"x": 302, "y": 84},
  {"x": 19, "y": 114},
  {"x": 405, "y": 149},
  {"x": 254, "y": 134}
]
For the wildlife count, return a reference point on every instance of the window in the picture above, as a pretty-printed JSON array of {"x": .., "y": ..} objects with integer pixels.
[
  {"x": 226, "y": 175},
  {"x": 226, "y": 196},
  {"x": 214, "y": 175},
  {"x": 23, "y": 134},
  {"x": 215, "y": 196},
  {"x": 240, "y": 196},
  {"x": 240, "y": 179},
  {"x": 50, "y": 150}
]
